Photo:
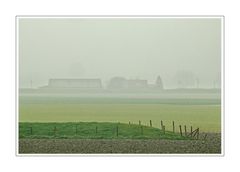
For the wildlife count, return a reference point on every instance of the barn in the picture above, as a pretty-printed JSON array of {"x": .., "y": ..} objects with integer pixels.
[
  {"x": 75, "y": 83},
  {"x": 137, "y": 83}
]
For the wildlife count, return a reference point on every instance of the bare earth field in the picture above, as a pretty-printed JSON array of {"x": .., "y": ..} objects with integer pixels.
[{"x": 211, "y": 145}]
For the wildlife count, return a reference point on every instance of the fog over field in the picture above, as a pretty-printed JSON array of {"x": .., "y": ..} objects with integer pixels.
[
  {"x": 119, "y": 85},
  {"x": 133, "y": 48}
]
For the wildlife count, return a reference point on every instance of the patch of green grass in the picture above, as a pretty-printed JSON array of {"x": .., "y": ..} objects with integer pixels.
[
  {"x": 202, "y": 113},
  {"x": 93, "y": 130},
  {"x": 207, "y": 118}
]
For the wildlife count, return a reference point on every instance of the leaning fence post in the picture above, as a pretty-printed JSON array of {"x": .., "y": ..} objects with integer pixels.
[
  {"x": 194, "y": 133},
  {"x": 180, "y": 129},
  {"x": 205, "y": 137},
  {"x": 197, "y": 133},
  {"x": 150, "y": 123},
  {"x": 173, "y": 126}
]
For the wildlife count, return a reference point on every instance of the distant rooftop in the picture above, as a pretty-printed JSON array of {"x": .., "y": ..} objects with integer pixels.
[{"x": 75, "y": 83}]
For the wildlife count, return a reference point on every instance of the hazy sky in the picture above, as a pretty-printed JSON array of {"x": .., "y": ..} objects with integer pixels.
[{"x": 132, "y": 48}]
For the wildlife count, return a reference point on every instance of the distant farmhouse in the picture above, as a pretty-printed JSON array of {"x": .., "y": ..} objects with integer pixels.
[
  {"x": 137, "y": 83},
  {"x": 116, "y": 83},
  {"x": 74, "y": 83},
  {"x": 122, "y": 83}
]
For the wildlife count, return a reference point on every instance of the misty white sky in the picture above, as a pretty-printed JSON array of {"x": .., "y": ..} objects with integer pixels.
[{"x": 132, "y": 48}]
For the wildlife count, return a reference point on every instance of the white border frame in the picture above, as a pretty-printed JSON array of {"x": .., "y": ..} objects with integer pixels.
[{"x": 222, "y": 17}]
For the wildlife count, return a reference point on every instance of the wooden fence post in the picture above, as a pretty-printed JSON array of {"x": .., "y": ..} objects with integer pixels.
[
  {"x": 31, "y": 132},
  {"x": 141, "y": 130},
  {"x": 180, "y": 128},
  {"x": 205, "y": 137},
  {"x": 161, "y": 124},
  {"x": 150, "y": 123},
  {"x": 55, "y": 130},
  {"x": 191, "y": 131},
  {"x": 185, "y": 130},
  {"x": 197, "y": 133},
  {"x": 194, "y": 133},
  {"x": 117, "y": 130},
  {"x": 163, "y": 129},
  {"x": 139, "y": 122},
  {"x": 173, "y": 126}
]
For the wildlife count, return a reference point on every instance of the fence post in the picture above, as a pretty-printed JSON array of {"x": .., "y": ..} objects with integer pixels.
[
  {"x": 141, "y": 130},
  {"x": 194, "y": 133},
  {"x": 191, "y": 131},
  {"x": 161, "y": 124},
  {"x": 197, "y": 133},
  {"x": 205, "y": 137},
  {"x": 129, "y": 123},
  {"x": 185, "y": 130},
  {"x": 31, "y": 130},
  {"x": 150, "y": 123},
  {"x": 55, "y": 130},
  {"x": 163, "y": 129},
  {"x": 139, "y": 122},
  {"x": 180, "y": 128},
  {"x": 117, "y": 130},
  {"x": 173, "y": 126}
]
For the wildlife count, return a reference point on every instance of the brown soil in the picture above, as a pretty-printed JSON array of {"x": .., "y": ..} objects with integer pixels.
[{"x": 212, "y": 144}]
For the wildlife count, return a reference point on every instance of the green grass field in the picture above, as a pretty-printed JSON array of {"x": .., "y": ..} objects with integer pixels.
[
  {"x": 93, "y": 130},
  {"x": 202, "y": 113}
]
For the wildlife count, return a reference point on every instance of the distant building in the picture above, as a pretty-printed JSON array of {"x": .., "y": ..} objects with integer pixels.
[
  {"x": 122, "y": 83},
  {"x": 137, "y": 83},
  {"x": 115, "y": 83},
  {"x": 75, "y": 83},
  {"x": 118, "y": 83},
  {"x": 159, "y": 83}
]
